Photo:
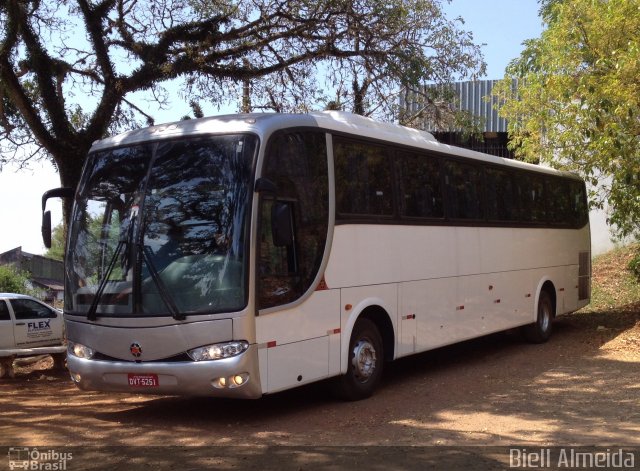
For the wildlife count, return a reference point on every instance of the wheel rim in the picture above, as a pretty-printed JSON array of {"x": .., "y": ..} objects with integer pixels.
[{"x": 364, "y": 360}]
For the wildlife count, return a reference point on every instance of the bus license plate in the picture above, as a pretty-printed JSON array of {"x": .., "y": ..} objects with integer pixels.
[{"x": 143, "y": 380}]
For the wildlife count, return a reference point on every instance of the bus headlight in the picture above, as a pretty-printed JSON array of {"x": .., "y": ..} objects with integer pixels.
[
  {"x": 80, "y": 351},
  {"x": 218, "y": 351}
]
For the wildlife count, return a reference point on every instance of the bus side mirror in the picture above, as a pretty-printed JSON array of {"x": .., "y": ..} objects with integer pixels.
[
  {"x": 46, "y": 215},
  {"x": 46, "y": 229},
  {"x": 282, "y": 224}
]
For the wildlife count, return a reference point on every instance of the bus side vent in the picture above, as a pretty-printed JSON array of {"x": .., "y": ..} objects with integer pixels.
[{"x": 584, "y": 275}]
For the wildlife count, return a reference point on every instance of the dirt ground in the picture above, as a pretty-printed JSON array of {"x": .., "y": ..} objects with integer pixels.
[{"x": 580, "y": 389}]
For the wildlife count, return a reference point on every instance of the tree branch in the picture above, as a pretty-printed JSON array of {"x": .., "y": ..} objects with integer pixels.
[{"x": 43, "y": 67}]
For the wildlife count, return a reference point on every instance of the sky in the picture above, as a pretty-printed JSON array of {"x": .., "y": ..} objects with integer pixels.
[{"x": 500, "y": 26}]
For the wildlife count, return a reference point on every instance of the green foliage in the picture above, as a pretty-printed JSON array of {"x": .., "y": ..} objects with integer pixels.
[
  {"x": 576, "y": 105},
  {"x": 13, "y": 280},
  {"x": 56, "y": 251},
  {"x": 634, "y": 265},
  {"x": 613, "y": 285}
]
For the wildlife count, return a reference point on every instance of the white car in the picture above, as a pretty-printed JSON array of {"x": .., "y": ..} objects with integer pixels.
[{"x": 29, "y": 327}]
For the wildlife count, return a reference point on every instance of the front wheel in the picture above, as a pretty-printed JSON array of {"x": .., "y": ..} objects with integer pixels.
[
  {"x": 540, "y": 330},
  {"x": 59, "y": 361},
  {"x": 6, "y": 367},
  {"x": 365, "y": 361}
]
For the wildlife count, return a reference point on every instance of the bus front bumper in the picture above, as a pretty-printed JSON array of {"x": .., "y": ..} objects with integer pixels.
[{"x": 235, "y": 377}]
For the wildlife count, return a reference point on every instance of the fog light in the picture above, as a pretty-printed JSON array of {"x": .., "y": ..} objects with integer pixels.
[
  {"x": 239, "y": 380},
  {"x": 231, "y": 382},
  {"x": 75, "y": 377},
  {"x": 219, "y": 383}
]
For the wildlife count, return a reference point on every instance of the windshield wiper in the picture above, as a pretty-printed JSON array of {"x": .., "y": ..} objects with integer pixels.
[
  {"x": 162, "y": 289},
  {"x": 91, "y": 313}
]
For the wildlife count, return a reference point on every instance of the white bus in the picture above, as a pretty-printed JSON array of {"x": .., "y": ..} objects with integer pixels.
[{"x": 242, "y": 255}]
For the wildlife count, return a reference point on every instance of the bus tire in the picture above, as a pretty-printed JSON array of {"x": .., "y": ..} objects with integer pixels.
[
  {"x": 59, "y": 361},
  {"x": 6, "y": 367},
  {"x": 364, "y": 365},
  {"x": 540, "y": 330}
]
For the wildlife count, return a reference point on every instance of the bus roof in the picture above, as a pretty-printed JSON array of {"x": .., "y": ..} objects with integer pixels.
[{"x": 263, "y": 124}]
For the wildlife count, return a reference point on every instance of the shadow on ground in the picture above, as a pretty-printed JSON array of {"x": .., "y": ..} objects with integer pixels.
[{"x": 493, "y": 391}]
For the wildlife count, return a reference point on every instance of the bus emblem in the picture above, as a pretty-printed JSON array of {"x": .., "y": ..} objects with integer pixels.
[{"x": 136, "y": 350}]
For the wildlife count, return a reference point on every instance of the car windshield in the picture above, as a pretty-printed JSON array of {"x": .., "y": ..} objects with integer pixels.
[{"x": 160, "y": 229}]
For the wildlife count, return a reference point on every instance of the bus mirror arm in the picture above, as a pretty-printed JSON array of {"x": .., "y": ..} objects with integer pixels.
[{"x": 46, "y": 215}]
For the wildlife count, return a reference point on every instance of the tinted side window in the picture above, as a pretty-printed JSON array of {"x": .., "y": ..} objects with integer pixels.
[
  {"x": 559, "y": 202},
  {"x": 28, "y": 309},
  {"x": 420, "y": 186},
  {"x": 464, "y": 190},
  {"x": 297, "y": 163},
  {"x": 578, "y": 203},
  {"x": 364, "y": 179},
  {"x": 530, "y": 193},
  {"x": 4, "y": 311},
  {"x": 501, "y": 204}
]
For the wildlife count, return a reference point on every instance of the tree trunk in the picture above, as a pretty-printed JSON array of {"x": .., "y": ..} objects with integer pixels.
[
  {"x": 70, "y": 168},
  {"x": 359, "y": 95}
]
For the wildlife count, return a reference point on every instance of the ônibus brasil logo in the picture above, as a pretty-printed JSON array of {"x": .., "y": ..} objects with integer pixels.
[{"x": 32, "y": 458}]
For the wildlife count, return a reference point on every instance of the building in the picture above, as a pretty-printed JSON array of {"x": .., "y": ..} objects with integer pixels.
[
  {"x": 45, "y": 274},
  {"x": 475, "y": 98}
]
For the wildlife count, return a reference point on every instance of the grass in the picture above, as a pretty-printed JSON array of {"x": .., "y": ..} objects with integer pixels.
[
  {"x": 612, "y": 283},
  {"x": 614, "y": 311}
]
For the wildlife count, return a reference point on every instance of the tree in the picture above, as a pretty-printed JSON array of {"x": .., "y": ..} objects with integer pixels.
[
  {"x": 400, "y": 46},
  {"x": 56, "y": 251},
  {"x": 69, "y": 69},
  {"x": 577, "y": 100},
  {"x": 13, "y": 281}
]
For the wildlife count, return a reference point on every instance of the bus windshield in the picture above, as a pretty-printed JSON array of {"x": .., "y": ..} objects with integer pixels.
[{"x": 160, "y": 229}]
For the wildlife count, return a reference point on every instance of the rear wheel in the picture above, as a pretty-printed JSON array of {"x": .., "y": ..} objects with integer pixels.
[
  {"x": 540, "y": 330},
  {"x": 365, "y": 361}
]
